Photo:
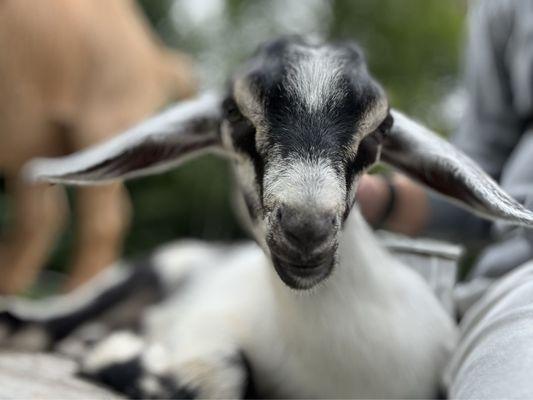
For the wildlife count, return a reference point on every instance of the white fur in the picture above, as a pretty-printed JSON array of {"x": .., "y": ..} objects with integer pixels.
[
  {"x": 119, "y": 347},
  {"x": 373, "y": 329},
  {"x": 155, "y": 359},
  {"x": 304, "y": 183},
  {"x": 313, "y": 77},
  {"x": 57, "y": 306}
]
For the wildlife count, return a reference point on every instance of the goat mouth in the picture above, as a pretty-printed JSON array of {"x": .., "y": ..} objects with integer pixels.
[{"x": 303, "y": 277}]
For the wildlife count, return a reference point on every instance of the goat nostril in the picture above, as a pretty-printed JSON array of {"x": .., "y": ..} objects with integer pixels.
[
  {"x": 307, "y": 229},
  {"x": 293, "y": 237}
]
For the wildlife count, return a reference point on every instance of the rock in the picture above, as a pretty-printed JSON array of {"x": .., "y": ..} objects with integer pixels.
[{"x": 44, "y": 376}]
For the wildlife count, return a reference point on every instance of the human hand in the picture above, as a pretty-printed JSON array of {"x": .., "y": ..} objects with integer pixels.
[
  {"x": 398, "y": 204},
  {"x": 373, "y": 196}
]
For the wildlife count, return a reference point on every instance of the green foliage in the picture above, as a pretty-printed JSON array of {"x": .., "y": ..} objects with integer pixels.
[
  {"x": 193, "y": 201},
  {"x": 412, "y": 45},
  {"x": 156, "y": 11}
]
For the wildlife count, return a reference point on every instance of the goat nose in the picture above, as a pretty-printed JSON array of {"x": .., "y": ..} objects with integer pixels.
[{"x": 306, "y": 229}]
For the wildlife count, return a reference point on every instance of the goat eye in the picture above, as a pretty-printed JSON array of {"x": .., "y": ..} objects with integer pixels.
[
  {"x": 386, "y": 125},
  {"x": 378, "y": 135},
  {"x": 367, "y": 152},
  {"x": 231, "y": 111}
]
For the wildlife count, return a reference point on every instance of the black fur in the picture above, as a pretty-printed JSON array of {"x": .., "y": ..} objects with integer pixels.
[
  {"x": 294, "y": 129},
  {"x": 126, "y": 378},
  {"x": 243, "y": 136},
  {"x": 142, "y": 287},
  {"x": 143, "y": 280},
  {"x": 250, "y": 388},
  {"x": 297, "y": 130},
  {"x": 11, "y": 322}
]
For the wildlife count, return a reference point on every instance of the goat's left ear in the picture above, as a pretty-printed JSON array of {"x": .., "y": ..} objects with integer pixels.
[
  {"x": 433, "y": 161},
  {"x": 160, "y": 143}
]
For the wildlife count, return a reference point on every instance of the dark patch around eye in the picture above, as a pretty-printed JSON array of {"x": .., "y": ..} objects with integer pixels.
[
  {"x": 386, "y": 125},
  {"x": 231, "y": 111},
  {"x": 367, "y": 154},
  {"x": 252, "y": 206},
  {"x": 243, "y": 136}
]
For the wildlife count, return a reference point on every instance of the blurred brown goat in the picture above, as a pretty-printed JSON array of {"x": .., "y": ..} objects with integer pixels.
[{"x": 73, "y": 73}]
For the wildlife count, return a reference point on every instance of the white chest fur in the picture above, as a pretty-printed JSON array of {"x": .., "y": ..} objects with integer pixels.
[{"x": 374, "y": 329}]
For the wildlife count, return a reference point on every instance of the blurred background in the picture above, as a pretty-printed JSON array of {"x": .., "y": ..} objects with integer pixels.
[{"x": 413, "y": 47}]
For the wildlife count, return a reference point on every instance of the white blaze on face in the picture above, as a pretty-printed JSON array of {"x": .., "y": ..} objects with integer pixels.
[
  {"x": 306, "y": 184},
  {"x": 313, "y": 77}
]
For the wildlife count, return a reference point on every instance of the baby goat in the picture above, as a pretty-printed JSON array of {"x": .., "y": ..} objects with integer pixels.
[{"x": 319, "y": 308}]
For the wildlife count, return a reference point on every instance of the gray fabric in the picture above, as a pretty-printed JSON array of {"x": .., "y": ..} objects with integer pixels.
[
  {"x": 502, "y": 257},
  {"x": 499, "y": 81},
  {"x": 435, "y": 261},
  {"x": 514, "y": 245},
  {"x": 466, "y": 294},
  {"x": 494, "y": 359},
  {"x": 517, "y": 176}
]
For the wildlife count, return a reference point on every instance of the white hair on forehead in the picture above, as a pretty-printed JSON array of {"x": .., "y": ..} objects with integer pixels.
[
  {"x": 305, "y": 183},
  {"x": 313, "y": 75}
]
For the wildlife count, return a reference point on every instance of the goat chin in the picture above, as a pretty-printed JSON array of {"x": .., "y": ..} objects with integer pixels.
[{"x": 372, "y": 329}]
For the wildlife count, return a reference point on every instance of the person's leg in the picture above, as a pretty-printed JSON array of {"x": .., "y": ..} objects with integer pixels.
[{"x": 494, "y": 358}]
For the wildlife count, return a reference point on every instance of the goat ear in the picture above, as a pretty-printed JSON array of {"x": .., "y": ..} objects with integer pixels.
[
  {"x": 160, "y": 143},
  {"x": 433, "y": 161}
]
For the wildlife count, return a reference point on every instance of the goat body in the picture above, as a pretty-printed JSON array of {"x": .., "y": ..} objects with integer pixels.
[
  {"x": 318, "y": 308},
  {"x": 73, "y": 73},
  {"x": 373, "y": 329}
]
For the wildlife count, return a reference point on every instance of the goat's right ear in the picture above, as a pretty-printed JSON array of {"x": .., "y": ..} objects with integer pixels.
[{"x": 157, "y": 144}]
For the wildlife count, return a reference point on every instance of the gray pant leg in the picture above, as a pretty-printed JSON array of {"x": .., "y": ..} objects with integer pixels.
[{"x": 494, "y": 358}]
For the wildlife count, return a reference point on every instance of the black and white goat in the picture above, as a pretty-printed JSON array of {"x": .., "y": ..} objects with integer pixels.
[{"x": 318, "y": 308}]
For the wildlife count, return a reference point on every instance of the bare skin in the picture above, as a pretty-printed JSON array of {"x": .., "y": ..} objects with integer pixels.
[
  {"x": 73, "y": 73},
  {"x": 411, "y": 210}
]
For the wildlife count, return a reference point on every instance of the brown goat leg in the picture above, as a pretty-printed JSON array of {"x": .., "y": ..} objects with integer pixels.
[
  {"x": 102, "y": 218},
  {"x": 39, "y": 214}
]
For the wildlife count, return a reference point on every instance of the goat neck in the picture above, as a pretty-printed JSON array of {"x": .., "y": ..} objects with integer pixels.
[{"x": 359, "y": 274}]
